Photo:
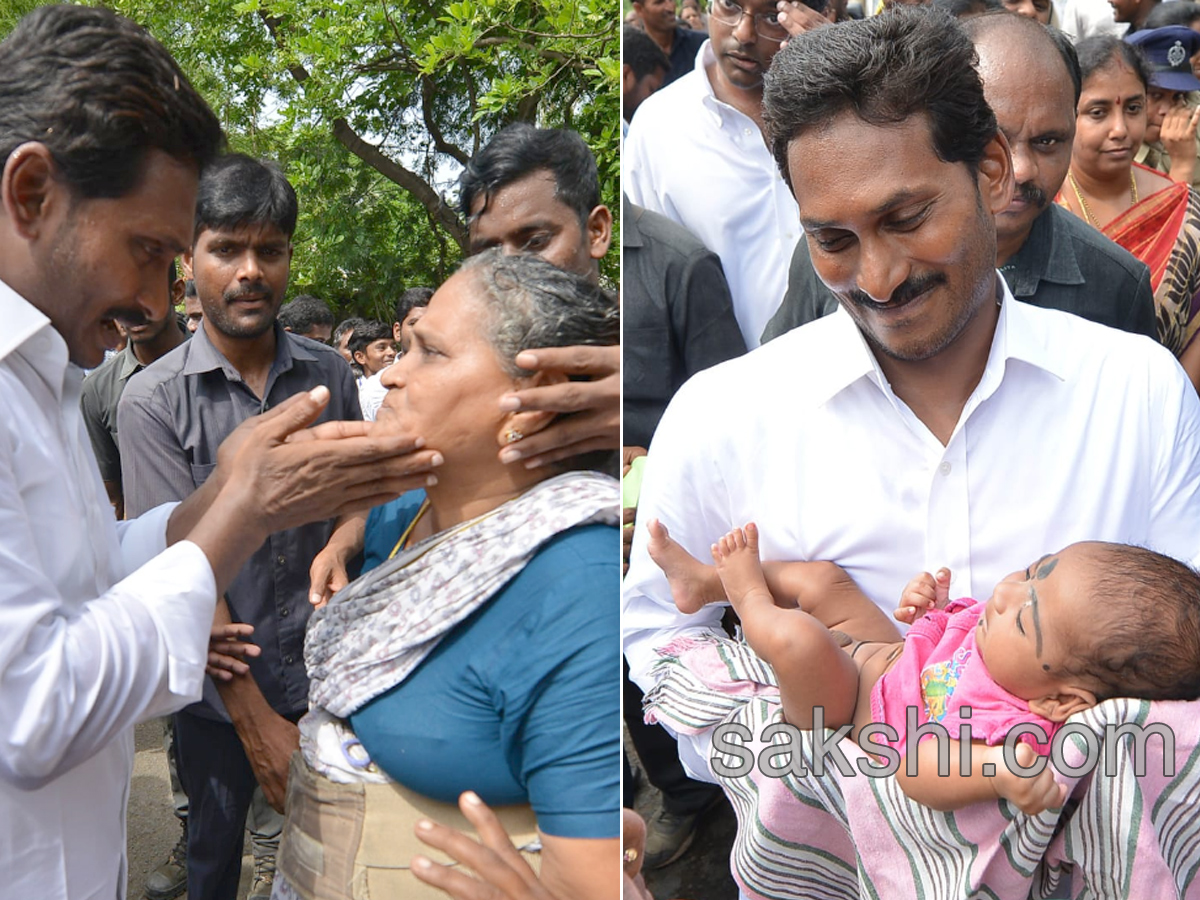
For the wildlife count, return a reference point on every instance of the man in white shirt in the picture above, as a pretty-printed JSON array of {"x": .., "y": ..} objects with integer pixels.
[
  {"x": 933, "y": 420},
  {"x": 696, "y": 154},
  {"x": 103, "y": 625}
]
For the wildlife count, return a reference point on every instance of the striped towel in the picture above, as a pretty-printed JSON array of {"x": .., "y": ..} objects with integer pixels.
[{"x": 837, "y": 836}]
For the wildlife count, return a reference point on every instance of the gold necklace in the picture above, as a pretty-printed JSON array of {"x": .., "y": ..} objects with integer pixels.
[{"x": 1087, "y": 213}]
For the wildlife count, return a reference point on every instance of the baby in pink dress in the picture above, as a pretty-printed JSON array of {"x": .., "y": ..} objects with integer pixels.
[{"x": 1090, "y": 622}]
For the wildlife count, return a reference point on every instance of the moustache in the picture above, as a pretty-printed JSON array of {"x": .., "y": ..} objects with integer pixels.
[
  {"x": 906, "y": 291},
  {"x": 129, "y": 318},
  {"x": 1031, "y": 194},
  {"x": 246, "y": 292}
]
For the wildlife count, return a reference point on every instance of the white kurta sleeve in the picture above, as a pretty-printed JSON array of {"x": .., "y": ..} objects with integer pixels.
[{"x": 75, "y": 671}]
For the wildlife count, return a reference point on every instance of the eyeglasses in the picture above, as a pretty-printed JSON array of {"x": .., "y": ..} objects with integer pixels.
[{"x": 766, "y": 25}]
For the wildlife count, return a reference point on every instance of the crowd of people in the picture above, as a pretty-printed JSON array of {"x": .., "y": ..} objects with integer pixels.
[
  {"x": 465, "y": 450},
  {"x": 958, "y": 239}
]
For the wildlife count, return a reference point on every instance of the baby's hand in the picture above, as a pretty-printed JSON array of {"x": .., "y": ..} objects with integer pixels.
[
  {"x": 1030, "y": 795},
  {"x": 923, "y": 593}
]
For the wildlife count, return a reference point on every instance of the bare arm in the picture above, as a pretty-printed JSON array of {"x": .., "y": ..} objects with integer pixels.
[{"x": 959, "y": 788}]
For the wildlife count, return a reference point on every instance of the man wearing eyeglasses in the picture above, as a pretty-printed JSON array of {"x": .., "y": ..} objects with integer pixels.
[{"x": 696, "y": 154}]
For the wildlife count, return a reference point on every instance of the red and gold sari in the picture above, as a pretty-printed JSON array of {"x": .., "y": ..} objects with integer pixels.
[{"x": 1163, "y": 231}]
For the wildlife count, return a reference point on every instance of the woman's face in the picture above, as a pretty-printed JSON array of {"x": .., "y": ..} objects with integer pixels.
[
  {"x": 1110, "y": 121},
  {"x": 1159, "y": 102},
  {"x": 447, "y": 387}
]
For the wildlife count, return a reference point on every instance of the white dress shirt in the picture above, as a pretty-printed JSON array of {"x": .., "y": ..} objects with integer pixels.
[
  {"x": 1079, "y": 19},
  {"x": 370, "y": 395},
  {"x": 1075, "y": 432},
  {"x": 705, "y": 165},
  {"x": 86, "y": 648}
]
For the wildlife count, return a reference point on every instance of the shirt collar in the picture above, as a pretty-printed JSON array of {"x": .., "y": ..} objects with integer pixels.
[
  {"x": 127, "y": 363},
  {"x": 848, "y": 358},
  {"x": 630, "y": 235},
  {"x": 28, "y": 333},
  {"x": 1046, "y": 255},
  {"x": 716, "y": 108},
  {"x": 204, "y": 357}
]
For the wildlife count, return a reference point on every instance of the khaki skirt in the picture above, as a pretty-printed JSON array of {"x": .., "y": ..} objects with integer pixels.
[{"x": 355, "y": 841}]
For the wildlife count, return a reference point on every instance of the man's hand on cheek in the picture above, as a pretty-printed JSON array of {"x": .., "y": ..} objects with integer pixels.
[{"x": 589, "y": 411}]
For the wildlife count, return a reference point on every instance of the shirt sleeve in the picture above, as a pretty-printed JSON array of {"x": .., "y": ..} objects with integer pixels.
[
  {"x": 1175, "y": 479},
  {"x": 108, "y": 458},
  {"x": 683, "y": 489},
  {"x": 571, "y": 752},
  {"x": 702, "y": 314},
  {"x": 73, "y": 675},
  {"x": 155, "y": 467}
]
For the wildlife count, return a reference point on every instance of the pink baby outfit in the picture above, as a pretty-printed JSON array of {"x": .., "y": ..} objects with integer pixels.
[{"x": 940, "y": 672}]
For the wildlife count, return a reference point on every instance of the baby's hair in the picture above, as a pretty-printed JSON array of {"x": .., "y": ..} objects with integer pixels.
[{"x": 1148, "y": 646}]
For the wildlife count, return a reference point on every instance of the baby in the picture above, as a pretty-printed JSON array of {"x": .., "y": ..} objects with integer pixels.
[{"x": 1090, "y": 622}]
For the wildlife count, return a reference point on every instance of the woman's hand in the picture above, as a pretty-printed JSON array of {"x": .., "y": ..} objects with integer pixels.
[
  {"x": 228, "y": 650},
  {"x": 502, "y": 873},
  {"x": 1178, "y": 136}
]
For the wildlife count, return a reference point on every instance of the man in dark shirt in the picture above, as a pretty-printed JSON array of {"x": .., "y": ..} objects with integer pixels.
[
  {"x": 643, "y": 68},
  {"x": 172, "y": 418},
  {"x": 678, "y": 317},
  {"x": 1048, "y": 257},
  {"x": 679, "y": 43},
  {"x": 103, "y": 387}
]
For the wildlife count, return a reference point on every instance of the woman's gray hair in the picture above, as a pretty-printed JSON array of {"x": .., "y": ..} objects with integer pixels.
[{"x": 532, "y": 304}]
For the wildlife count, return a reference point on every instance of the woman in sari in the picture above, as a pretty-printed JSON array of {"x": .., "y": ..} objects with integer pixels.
[
  {"x": 1154, "y": 218},
  {"x": 480, "y": 649}
]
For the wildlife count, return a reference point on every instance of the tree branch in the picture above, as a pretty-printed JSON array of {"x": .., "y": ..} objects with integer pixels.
[
  {"x": 439, "y": 141},
  {"x": 410, "y": 181}
]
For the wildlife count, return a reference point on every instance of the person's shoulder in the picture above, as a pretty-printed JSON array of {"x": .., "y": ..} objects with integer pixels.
[
  {"x": 797, "y": 361},
  {"x": 1089, "y": 351},
  {"x": 162, "y": 371},
  {"x": 322, "y": 352},
  {"x": 664, "y": 111},
  {"x": 691, "y": 39},
  {"x": 101, "y": 378},
  {"x": 1105, "y": 258},
  {"x": 668, "y": 235}
]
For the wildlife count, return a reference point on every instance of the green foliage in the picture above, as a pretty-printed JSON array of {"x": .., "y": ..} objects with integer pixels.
[{"x": 373, "y": 106}]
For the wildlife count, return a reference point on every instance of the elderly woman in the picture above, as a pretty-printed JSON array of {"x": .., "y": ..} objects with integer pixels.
[{"x": 479, "y": 650}]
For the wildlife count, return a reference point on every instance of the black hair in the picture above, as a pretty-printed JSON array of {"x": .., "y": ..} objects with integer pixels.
[
  {"x": 189, "y": 288},
  {"x": 237, "y": 190},
  {"x": 1033, "y": 33},
  {"x": 366, "y": 333},
  {"x": 410, "y": 300},
  {"x": 641, "y": 54},
  {"x": 1180, "y": 12},
  {"x": 345, "y": 325},
  {"x": 1148, "y": 642},
  {"x": 519, "y": 150},
  {"x": 962, "y": 9},
  {"x": 100, "y": 93},
  {"x": 1101, "y": 52},
  {"x": 305, "y": 313},
  {"x": 904, "y": 62}
]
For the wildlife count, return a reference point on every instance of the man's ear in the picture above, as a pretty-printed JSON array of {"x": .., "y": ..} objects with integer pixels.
[
  {"x": 355, "y": 356},
  {"x": 178, "y": 288},
  {"x": 599, "y": 231},
  {"x": 29, "y": 189},
  {"x": 996, "y": 182},
  {"x": 396, "y": 332},
  {"x": 628, "y": 79},
  {"x": 528, "y": 421},
  {"x": 1060, "y": 707}
]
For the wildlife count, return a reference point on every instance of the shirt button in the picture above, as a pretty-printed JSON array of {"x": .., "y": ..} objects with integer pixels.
[
  {"x": 281, "y": 560},
  {"x": 288, "y": 659},
  {"x": 749, "y": 132},
  {"x": 944, "y": 468},
  {"x": 283, "y": 613}
]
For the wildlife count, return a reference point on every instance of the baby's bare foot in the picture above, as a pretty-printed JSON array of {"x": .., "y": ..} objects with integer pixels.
[
  {"x": 693, "y": 584},
  {"x": 738, "y": 565}
]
